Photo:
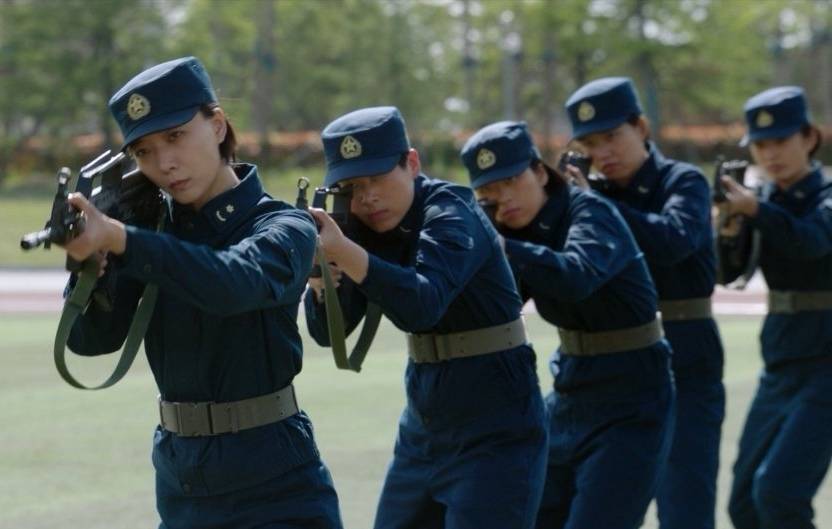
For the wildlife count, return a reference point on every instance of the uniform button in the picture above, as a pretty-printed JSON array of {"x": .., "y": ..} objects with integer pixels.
[
  {"x": 190, "y": 225},
  {"x": 186, "y": 487},
  {"x": 147, "y": 268}
]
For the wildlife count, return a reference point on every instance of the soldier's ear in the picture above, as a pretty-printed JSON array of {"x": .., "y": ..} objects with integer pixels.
[
  {"x": 540, "y": 173},
  {"x": 643, "y": 127},
  {"x": 219, "y": 124},
  {"x": 414, "y": 164}
]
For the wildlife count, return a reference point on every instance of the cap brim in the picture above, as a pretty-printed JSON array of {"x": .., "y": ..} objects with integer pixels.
[
  {"x": 500, "y": 174},
  {"x": 355, "y": 168},
  {"x": 769, "y": 134},
  {"x": 166, "y": 121},
  {"x": 600, "y": 126}
]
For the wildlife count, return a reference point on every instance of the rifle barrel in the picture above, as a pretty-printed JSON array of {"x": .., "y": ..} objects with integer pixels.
[{"x": 35, "y": 239}]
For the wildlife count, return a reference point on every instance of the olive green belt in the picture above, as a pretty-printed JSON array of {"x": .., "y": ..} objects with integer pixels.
[
  {"x": 792, "y": 301},
  {"x": 438, "y": 347},
  {"x": 191, "y": 419},
  {"x": 582, "y": 343},
  {"x": 685, "y": 309}
]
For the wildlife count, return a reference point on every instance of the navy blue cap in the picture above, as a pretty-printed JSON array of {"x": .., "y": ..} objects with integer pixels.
[
  {"x": 498, "y": 151},
  {"x": 164, "y": 96},
  {"x": 602, "y": 104},
  {"x": 775, "y": 113},
  {"x": 365, "y": 142}
]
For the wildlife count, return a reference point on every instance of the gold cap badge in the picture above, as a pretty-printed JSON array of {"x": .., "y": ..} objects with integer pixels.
[
  {"x": 137, "y": 106},
  {"x": 586, "y": 111},
  {"x": 764, "y": 119},
  {"x": 486, "y": 159},
  {"x": 350, "y": 148}
]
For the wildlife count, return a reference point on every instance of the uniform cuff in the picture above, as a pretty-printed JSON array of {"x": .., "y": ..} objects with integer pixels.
[
  {"x": 766, "y": 216},
  {"x": 141, "y": 258},
  {"x": 380, "y": 274}
]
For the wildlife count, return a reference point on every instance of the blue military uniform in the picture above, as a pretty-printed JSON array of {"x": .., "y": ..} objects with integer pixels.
[
  {"x": 786, "y": 445},
  {"x": 611, "y": 412},
  {"x": 667, "y": 205},
  {"x": 224, "y": 329},
  {"x": 471, "y": 446}
]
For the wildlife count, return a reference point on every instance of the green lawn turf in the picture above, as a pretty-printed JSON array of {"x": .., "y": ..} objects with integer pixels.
[{"x": 82, "y": 459}]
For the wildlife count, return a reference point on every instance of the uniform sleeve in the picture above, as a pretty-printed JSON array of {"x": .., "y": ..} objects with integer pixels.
[
  {"x": 353, "y": 307},
  {"x": 97, "y": 331},
  {"x": 679, "y": 229},
  {"x": 268, "y": 268},
  {"x": 452, "y": 245},
  {"x": 598, "y": 246},
  {"x": 807, "y": 237}
]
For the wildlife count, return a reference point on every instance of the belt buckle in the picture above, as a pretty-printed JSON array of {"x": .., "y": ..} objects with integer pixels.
[
  {"x": 441, "y": 347},
  {"x": 161, "y": 414},
  {"x": 232, "y": 417},
  {"x": 786, "y": 301},
  {"x": 791, "y": 301},
  {"x": 580, "y": 342},
  {"x": 193, "y": 418}
]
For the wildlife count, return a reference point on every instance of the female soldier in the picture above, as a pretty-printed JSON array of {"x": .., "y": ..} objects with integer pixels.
[
  {"x": 471, "y": 448},
  {"x": 786, "y": 446},
  {"x": 667, "y": 205},
  {"x": 233, "y": 449},
  {"x": 611, "y": 411}
]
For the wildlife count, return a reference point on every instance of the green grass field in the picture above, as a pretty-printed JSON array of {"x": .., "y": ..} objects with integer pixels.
[{"x": 82, "y": 459}]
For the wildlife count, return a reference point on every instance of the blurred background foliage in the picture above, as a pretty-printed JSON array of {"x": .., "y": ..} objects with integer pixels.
[{"x": 284, "y": 68}]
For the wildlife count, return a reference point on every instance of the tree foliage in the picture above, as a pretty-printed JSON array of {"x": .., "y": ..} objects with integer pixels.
[{"x": 450, "y": 65}]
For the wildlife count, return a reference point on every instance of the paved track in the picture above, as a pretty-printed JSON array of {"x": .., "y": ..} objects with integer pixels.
[{"x": 38, "y": 291}]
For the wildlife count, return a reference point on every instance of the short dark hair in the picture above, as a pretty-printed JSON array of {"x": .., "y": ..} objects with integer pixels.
[
  {"x": 403, "y": 160},
  {"x": 228, "y": 147},
  {"x": 556, "y": 180},
  {"x": 635, "y": 119}
]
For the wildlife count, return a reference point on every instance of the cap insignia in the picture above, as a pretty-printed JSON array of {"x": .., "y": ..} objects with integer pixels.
[
  {"x": 586, "y": 111},
  {"x": 485, "y": 159},
  {"x": 137, "y": 106},
  {"x": 764, "y": 119},
  {"x": 350, "y": 148}
]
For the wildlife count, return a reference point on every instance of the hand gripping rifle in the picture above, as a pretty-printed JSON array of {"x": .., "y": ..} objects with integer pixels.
[
  {"x": 737, "y": 243},
  {"x": 131, "y": 198},
  {"x": 334, "y": 314}
]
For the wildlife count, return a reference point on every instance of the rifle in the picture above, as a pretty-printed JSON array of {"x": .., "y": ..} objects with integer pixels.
[
  {"x": 737, "y": 244},
  {"x": 334, "y": 315},
  {"x": 129, "y": 197}
]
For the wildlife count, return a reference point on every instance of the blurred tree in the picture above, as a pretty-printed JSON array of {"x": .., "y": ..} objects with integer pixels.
[
  {"x": 449, "y": 65},
  {"x": 265, "y": 71},
  {"x": 60, "y": 63}
]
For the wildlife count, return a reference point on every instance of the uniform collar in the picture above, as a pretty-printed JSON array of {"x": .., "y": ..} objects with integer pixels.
[
  {"x": 409, "y": 226},
  {"x": 547, "y": 219},
  {"x": 804, "y": 188},
  {"x": 648, "y": 175},
  {"x": 412, "y": 220},
  {"x": 227, "y": 209}
]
